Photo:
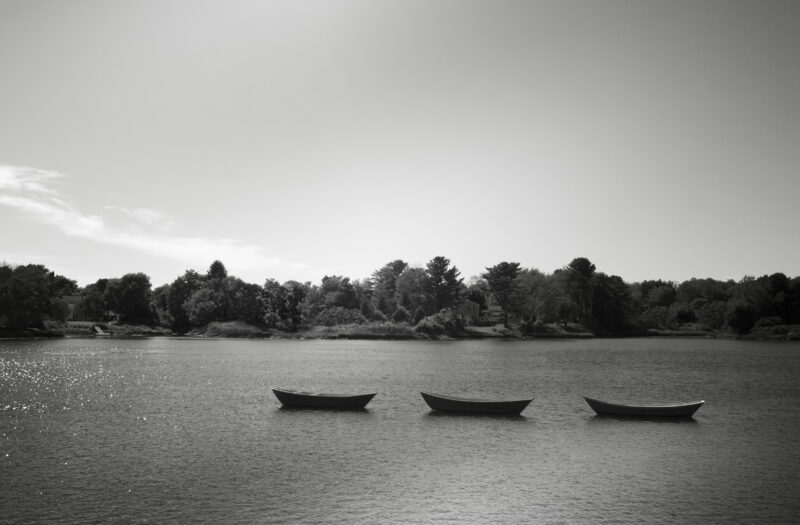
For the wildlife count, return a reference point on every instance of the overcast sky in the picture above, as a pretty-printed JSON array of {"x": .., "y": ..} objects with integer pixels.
[{"x": 659, "y": 139}]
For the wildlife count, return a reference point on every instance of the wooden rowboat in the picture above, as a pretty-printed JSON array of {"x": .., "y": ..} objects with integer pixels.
[
  {"x": 476, "y": 406},
  {"x": 615, "y": 409},
  {"x": 299, "y": 399}
]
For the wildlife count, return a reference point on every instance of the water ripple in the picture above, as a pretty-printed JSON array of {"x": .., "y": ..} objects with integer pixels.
[{"x": 188, "y": 431}]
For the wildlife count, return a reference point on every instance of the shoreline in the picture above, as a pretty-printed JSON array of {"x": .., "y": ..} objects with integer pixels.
[{"x": 331, "y": 333}]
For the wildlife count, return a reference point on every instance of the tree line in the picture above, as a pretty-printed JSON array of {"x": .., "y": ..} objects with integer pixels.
[{"x": 433, "y": 299}]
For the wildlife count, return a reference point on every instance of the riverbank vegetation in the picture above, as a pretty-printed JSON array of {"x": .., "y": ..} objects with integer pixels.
[{"x": 400, "y": 301}]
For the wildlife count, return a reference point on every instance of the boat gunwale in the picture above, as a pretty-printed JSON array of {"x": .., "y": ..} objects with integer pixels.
[
  {"x": 321, "y": 394},
  {"x": 475, "y": 400},
  {"x": 591, "y": 400}
]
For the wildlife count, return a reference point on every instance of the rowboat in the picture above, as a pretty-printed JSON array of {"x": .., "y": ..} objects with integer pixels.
[
  {"x": 477, "y": 406},
  {"x": 615, "y": 409},
  {"x": 299, "y": 399}
]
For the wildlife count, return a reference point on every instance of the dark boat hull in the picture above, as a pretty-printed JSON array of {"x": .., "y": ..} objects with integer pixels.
[
  {"x": 614, "y": 409},
  {"x": 297, "y": 399},
  {"x": 474, "y": 406}
]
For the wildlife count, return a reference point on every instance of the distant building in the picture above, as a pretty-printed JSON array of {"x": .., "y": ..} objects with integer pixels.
[
  {"x": 493, "y": 313},
  {"x": 74, "y": 311},
  {"x": 469, "y": 311}
]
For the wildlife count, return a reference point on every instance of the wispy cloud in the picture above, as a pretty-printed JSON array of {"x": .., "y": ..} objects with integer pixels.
[
  {"x": 31, "y": 180},
  {"x": 56, "y": 212},
  {"x": 147, "y": 216},
  {"x": 29, "y": 191}
]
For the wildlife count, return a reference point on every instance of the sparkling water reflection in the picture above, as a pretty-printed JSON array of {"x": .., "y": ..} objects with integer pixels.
[{"x": 177, "y": 430}]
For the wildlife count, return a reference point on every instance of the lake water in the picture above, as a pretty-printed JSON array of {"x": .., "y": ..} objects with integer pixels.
[{"x": 187, "y": 431}]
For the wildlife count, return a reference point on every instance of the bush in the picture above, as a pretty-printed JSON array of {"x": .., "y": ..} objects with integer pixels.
[
  {"x": 233, "y": 329},
  {"x": 654, "y": 317},
  {"x": 740, "y": 316},
  {"x": 429, "y": 326},
  {"x": 444, "y": 322},
  {"x": 768, "y": 321},
  {"x": 780, "y": 332},
  {"x": 339, "y": 315},
  {"x": 401, "y": 315},
  {"x": 375, "y": 330},
  {"x": 712, "y": 314},
  {"x": 681, "y": 313},
  {"x": 535, "y": 328}
]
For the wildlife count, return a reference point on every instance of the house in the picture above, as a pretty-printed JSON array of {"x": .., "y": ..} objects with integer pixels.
[
  {"x": 469, "y": 311},
  {"x": 74, "y": 311}
]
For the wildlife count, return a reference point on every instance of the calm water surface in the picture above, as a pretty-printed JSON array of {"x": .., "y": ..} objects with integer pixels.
[{"x": 187, "y": 431}]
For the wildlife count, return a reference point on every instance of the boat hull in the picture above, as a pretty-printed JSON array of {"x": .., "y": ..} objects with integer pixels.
[
  {"x": 474, "y": 406},
  {"x": 614, "y": 409},
  {"x": 298, "y": 399}
]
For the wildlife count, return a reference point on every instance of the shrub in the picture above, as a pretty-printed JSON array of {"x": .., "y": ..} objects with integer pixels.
[
  {"x": 443, "y": 322},
  {"x": 535, "y": 327},
  {"x": 740, "y": 316},
  {"x": 339, "y": 315},
  {"x": 429, "y": 326},
  {"x": 768, "y": 321},
  {"x": 401, "y": 315},
  {"x": 381, "y": 330},
  {"x": 233, "y": 329}
]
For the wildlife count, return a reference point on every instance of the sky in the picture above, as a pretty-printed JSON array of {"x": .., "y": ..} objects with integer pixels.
[{"x": 293, "y": 140}]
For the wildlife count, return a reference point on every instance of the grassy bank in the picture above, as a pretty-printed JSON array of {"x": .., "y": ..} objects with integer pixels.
[{"x": 386, "y": 330}]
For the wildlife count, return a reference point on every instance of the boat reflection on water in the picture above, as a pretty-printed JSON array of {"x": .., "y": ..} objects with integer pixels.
[
  {"x": 474, "y": 415},
  {"x": 603, "y": 419}
]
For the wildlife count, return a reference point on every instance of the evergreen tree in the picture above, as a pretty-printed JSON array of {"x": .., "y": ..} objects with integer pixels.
[
  {"x": 217, "y": 271},
  {"x": 419, "y": 315},
  {"x": 441, "y": 284},
  {"x": 401, "y": 315},
  {"x": 578, "y": 275}
]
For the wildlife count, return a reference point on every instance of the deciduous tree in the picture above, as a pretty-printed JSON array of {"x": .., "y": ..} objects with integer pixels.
[
  {"x": 132, "y": 298},
  {"x": 93, "y": 302},
  {"x": 578, "y": 275},
  {"x": 384, "y": 283},
  {"x": 612, "y": 306},
  {"x": 180, "y": 291},
  {"x": 500, "y": 278},
  {"x": 410, "y": 287},
  {"x": 26, "y": 296}
]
